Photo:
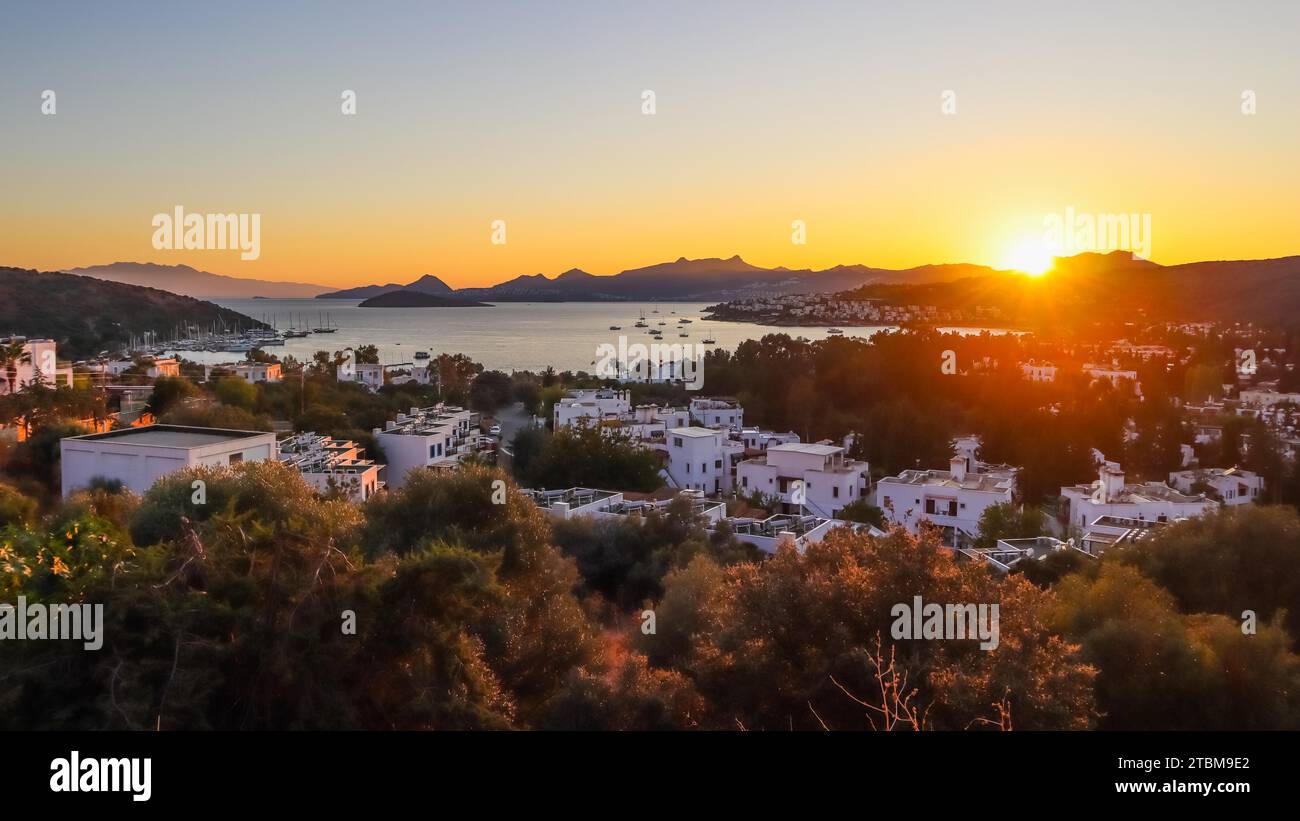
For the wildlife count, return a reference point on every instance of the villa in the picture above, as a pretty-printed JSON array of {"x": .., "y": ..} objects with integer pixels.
[
  {"x": 1110, "y": 495},
  {"x": 815, "y": 477},
  {"x": 438, "y": 437}
]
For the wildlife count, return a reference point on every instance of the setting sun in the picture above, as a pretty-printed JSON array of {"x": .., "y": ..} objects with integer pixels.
[{"x": 1031, "y": 257}]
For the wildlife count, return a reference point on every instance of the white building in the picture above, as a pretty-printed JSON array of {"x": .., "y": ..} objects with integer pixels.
[
  {"x": 138, "y": 457},
  {"x": 815, "y": 477},
  {"x": 760, "y": 440},
  {"x": 952, "y": 499},
  {"x": 1229, "y": 487},
  {"x": 257, "y": 371},
  {"x": 591, "y": 404},
  {"x": 717, "y": 412},
  {"x": 39, "y": 364},
  {"x": 701, "y": 459},
  {"x": 153, "y": 367},
  {"x": 1116, "y": 376},
  {"x": 438, "y": 437},
  {"x": 764, "y": 534},
  {"x": 332, "y": 464},
  {"x": 1111, "y": 496},
  {"x": 1267, "y": 398},
  {"x": 1038, "y": 371}
]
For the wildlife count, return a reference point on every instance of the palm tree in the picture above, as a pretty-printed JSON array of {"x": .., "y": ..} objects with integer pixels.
[{"x": 13, "y": 353}]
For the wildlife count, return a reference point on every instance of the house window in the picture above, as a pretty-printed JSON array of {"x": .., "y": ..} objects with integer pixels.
[
  {"x": 688, "y": 467},
  {"x": 717, "y": 463},
  {"x": 236, "y": 458},
  {"x": 677, "y": 441},
  {"x": 744, "y": 481},
  {"x": 835, "y": 492}
]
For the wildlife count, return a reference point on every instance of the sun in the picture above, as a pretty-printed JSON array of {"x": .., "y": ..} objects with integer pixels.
[{"x": 1032, "y": 257}]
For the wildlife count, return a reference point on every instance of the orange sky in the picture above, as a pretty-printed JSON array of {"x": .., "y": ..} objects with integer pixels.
[{"x": 536, "y": 118}]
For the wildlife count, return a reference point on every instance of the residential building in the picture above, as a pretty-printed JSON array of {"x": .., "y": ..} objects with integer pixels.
[
  {"x": 1267, "y": 397},
  {"x": 819, "y": 478},
  {"x": 39, "y": 364},
  {"x": 438, "y": 437},
  {"x": 595, "y": 403},
  {"x": 701, "y": 459},
  {"x": 138, "y": 457},
  {"x": 757, "y": 439},
  {"x": 152, "y": 367},
  {"x": 1038, "y": 371},
  {"x": 258, "y": 371},
  {"x": 1110, "y": 495},
  {"x": 1106, "y": 532},
  {"x": 1229, "y": 487},
  {"x": 717, "y": 412},
  {"x": 330, "y": 464},
  {"x": 764, "y": 534},
  {"x": 953, "y": 499}
]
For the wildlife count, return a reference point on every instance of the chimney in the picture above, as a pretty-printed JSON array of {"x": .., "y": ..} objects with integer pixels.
[
  {"x": 957, "y": 467},
  {"x": 1112, "y": 481}
]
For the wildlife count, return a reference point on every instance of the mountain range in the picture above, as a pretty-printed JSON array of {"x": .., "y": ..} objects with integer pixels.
[{"x": 187, "y": 281}]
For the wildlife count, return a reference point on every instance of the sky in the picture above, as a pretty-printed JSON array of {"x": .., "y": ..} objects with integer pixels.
[{"x": 898, "y": 134}]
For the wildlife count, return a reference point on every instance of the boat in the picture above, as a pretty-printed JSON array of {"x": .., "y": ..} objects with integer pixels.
[
  {"x": 421, "y": 354},
  {"x": 663, "y": 323},
  {"x": 683, "y": 321},
  {"x": 325, "y": 328},
  {"x": 616, "y": 327},
  {"x": 641, "y": 323},
  {"x": 834, "y": 331},
  {"x": 684, "y": 336}
]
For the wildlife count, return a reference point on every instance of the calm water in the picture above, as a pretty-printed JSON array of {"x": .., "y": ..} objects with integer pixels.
[{"x": 507, "y": 336}]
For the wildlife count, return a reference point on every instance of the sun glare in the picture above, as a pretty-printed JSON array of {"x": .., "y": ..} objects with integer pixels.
[{"x": 1032, "y": 257}]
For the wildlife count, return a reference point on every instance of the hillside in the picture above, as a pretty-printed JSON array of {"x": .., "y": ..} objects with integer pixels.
[
  {"x": 187, "y": 281},
  {"x": 1114, "y": 288},
  {"x": 417, "y": 299},
  {"x": 86, "y": 315},
  {"x": 427, "y": 284}
]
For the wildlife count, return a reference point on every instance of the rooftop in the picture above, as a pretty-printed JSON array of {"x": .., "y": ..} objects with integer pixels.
[
  {"x": 801, "y": 447},
  {"x": 988, "y": 482},
  {"x": 171, "y": 436}
]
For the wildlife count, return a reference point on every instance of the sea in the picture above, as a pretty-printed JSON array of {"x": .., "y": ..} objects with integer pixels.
[{"x": 506, "y": 336}]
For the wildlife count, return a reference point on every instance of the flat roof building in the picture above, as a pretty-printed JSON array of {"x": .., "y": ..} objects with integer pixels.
[{"x": 138, "y": 457}]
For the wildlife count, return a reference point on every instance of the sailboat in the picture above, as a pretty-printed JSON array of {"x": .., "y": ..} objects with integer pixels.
[
  {"x": 708, "y": 340},
  {"x": 641, "y": 323},
  {"x": 325, "y": 329}
]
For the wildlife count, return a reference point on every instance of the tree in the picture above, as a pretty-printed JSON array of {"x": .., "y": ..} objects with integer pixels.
[
  {"x": 863, "y": 512},
  {"x": 590, "y": 456},
  {"x": 236, "y": 392},
  {"x": 13, "y": 352},
  {"x": 169, "y": 392},
  {"x": 1007, "y": 520},
  {"x": 784, "y": 642},
  {"x": 490, "y": 390}
]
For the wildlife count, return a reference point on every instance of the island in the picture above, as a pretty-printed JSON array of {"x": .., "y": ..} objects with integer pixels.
[{"x": 418, "y": 299}]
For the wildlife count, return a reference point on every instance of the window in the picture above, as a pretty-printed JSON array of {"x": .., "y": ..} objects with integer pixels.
[
  {"x": 744, "y": 481},
  {"x": 717, "y": 463},
  {"x": 835, "y": 492},
  {"x": 236, "y": 458},
  {"x": 688, "y": 467},
  {"x": 677, "y": 441}
]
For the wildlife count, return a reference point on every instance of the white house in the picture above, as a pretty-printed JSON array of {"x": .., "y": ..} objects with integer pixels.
[
  {"x": 952, "y": 499},
  {"x": 1111, "y": 496},
  {"x": 258, "y": 371},
  {"x": 332, "y": 464},
  {"x": 701, "y": 459},
  {"x": 39, "y": 363},
  {"x": 717, "y": 412},
  {"x": 154, "y": 367},
  {"x": 438, "y": 436},
  {"x": 815, "y": 477},
  {"x": 1038, "y": 371},
  {"x": 1116, "y": 376},
  {"x": 1229, "y": 487},
  {"x": 601, "y": 403},
  {"x": 759, "y": 439},
  {"x": 138, "y": 457}
]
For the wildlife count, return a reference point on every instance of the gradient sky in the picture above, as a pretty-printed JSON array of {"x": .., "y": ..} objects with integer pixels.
[{"x": 531, "y": 112}]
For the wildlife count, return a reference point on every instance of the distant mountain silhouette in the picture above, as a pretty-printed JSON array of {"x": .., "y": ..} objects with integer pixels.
[
  {"x": 1115, "y": 287},
  {"x": 187, "y": 281},
  {"x": 427, "y": 284}
]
